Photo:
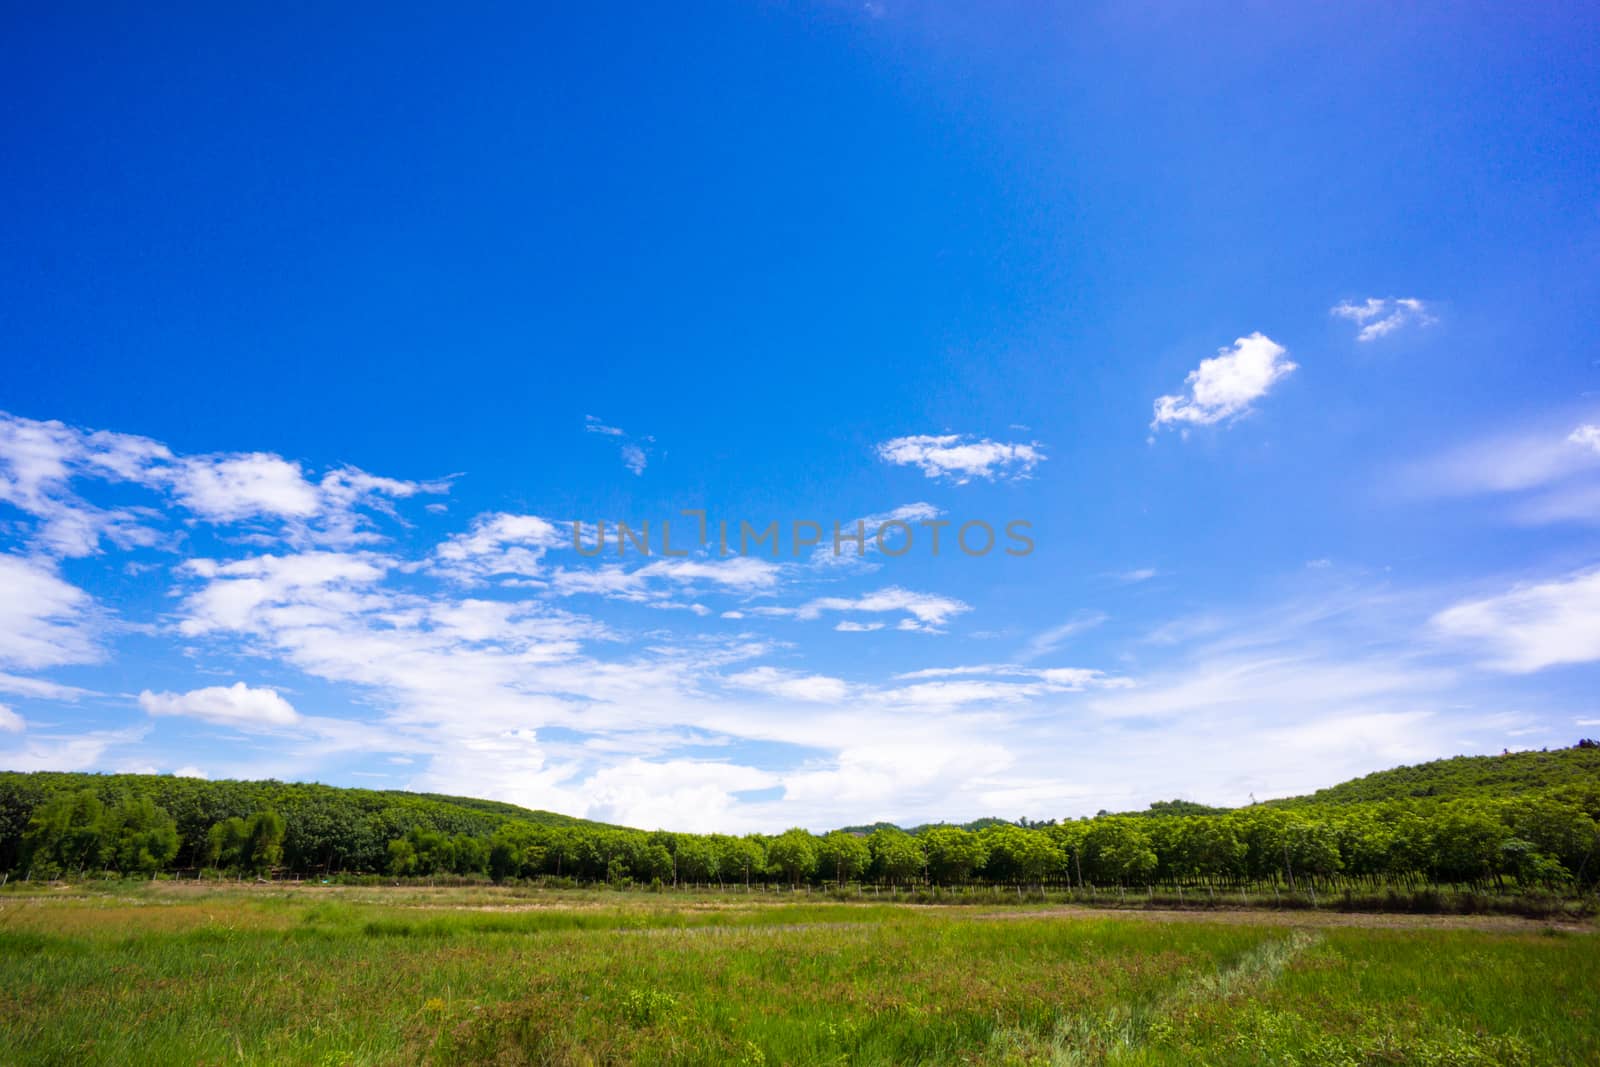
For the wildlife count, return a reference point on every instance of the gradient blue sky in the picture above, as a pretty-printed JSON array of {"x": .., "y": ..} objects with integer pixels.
[{"x": 314, "y": 325}]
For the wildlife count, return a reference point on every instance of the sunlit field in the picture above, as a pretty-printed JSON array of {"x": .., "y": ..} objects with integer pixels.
[{"x": 164, "y": 973}]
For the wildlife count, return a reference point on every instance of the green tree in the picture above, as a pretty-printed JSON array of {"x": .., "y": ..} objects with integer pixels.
[
  {"x": 741, "y": 857},
  {"x": 263, "y": 844},
  {"x": 843, "y": 855},
  {"x": 793, "y": 853},
  {"x": 896, "y": 856},
  {"x": 140, "y": 836},
  {"x": 954, "y": 854},
  {"x": 66, "y": 833},
  {"x": 1022, "y": 856},
  {"x": 402, "y": 856}
]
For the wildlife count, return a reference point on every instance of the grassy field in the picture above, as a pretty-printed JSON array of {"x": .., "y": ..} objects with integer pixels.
[{"x": 164, "y": 973}]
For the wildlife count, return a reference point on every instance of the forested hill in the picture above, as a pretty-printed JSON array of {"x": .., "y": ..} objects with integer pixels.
[
  {"x": 332, "y": 826},
  {"x": 1506, "y": 774}
]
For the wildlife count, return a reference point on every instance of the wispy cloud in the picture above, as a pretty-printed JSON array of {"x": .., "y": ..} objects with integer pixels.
[
  {"x": 1379, "y": 317},
  {"x": 1047, "y": 641},
  {"x": 634, "y": 458},
  {"x": 926, "y": 612},
  {"x": 634, "y": 451},
  {"x": 1548, "y": 470},
  {"x": 44, "y": 620},
  {"x": 1532, "y": 626}
]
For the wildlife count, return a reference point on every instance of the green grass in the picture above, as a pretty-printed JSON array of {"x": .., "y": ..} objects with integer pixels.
[{"x": 318, "y": 976}]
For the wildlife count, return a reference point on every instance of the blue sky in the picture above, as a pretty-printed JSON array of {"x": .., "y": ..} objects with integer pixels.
[{"x": 1278, "y": 328}]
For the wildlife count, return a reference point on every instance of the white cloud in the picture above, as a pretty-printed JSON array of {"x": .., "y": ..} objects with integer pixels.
[
  {"x": 996, "y": 683},
  {"x": 959, "y": 458},
  {"x": 235, "y": 705},
  {"x": 230, "y": 488},
  {"x": 846, "y": 626},
  {"x": 634, "y": 458},
  {"x": 301, "y": 589},
  {"x": 1549, "y": 473},
  {"x": 791, "y": 685},
  {"x": 66, "y": 752},
  {"x": 44, "y": 621},
  {"x": 1533, "y": 626},
  {"x": 10, "y": 721},
  {"x": 858, "y": 555},
  {"x": 1047, "y": 641},
  {"x": 1223, "y": 387},
  {"x": 696, "y": 795},
  {"x": 500, "y": 544},
  {"x": 1380, "y": 317},
  {"x": 189, "y": 771},
  {"x": 39, "y": 461},
  {"x": 38, "y": 687},
  {"x": 1506, "y": 463},
  {"x": 644, "y": 584},
  {"x": 926, "y": 611}
]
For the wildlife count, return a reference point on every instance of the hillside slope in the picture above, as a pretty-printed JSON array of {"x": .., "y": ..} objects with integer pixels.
[{"x": 1510, "y": 772}]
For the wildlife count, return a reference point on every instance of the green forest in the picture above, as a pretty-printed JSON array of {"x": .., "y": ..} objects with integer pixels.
[{"x": 1517, "y": 822}]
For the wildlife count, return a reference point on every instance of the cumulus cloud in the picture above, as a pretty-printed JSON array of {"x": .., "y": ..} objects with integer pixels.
[
  {"x": 1586, "y": 436},
  {"x": 1223, "y": 388},
  {"x": 1533, "y": 626},
  {"x": 230, "y": 488},
  {"x": 10, "y": 721},
  {"x": 500, "y": 544},
  {"x": 959, "y": 458},
  {"x": 234, "y": 705},
  {"x": 1379, "y": 317}
]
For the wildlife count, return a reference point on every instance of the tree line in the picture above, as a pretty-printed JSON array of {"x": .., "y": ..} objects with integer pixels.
[{"x": 65, "y": 825}]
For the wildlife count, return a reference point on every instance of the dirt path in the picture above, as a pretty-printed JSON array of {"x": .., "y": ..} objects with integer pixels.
[{"x": 1302, "y": 918}]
